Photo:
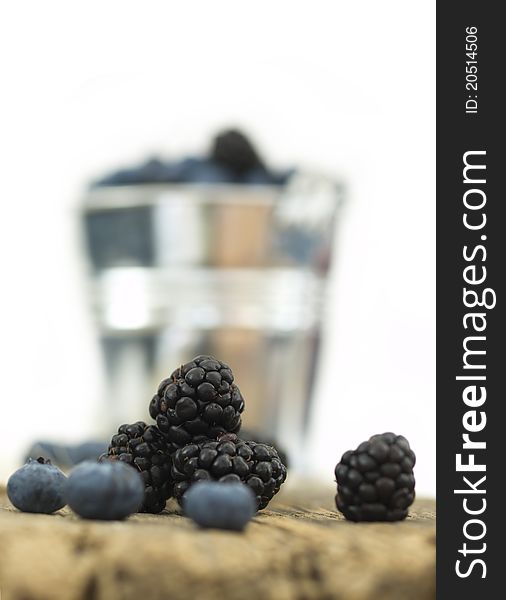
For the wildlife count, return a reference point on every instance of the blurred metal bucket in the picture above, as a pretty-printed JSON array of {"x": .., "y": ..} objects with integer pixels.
[{"x": 235, "y": 271}]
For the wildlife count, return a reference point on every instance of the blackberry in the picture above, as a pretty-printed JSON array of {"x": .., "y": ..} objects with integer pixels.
[
  {"x": 199, "y": 400},
  {"x": 375, "y": 482},
  {"x": 146, "y": 448},
  {"x": 233, "y": 150},
  {"x": 261, "y": 438},
  {"x": 37, "y": 487},
  {"x": 229, "y": 460}
]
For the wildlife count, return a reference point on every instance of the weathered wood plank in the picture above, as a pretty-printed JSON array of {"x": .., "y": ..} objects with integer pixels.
[{"x": 300, "y": 549}]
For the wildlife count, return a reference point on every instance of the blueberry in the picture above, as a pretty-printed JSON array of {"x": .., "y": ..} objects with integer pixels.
[
  {"x": 207, "y": 171},
  {"x": 220, "y": 505},
  {"x": 183, "y": 169},
  {"x": 37, "y": 487},
  {"x": 282, "y": 177},
  {"x": 152, "y": 171},
  {"x": 258, "y": 176},
  {"x": 67, "y": 456},
  {"x": 106, "y": 490}
]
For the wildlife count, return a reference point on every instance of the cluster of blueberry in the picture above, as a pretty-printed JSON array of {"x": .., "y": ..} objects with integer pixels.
[
  {"x": 93, "y": 490},
  {"x": 232, "y": 159},
  {"x": 113, "y": 491}
]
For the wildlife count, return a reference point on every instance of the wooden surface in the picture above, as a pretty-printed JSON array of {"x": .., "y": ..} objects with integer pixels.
[{"x": 300, "y": 548}]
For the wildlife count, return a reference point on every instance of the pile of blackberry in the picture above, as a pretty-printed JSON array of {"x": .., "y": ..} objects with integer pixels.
[
  {"x": 198, "y": 417},
  {"x": 198, "y": 414}
]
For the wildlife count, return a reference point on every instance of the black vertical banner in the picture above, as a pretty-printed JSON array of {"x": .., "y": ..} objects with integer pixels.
[{"x": 471, "y": 250}]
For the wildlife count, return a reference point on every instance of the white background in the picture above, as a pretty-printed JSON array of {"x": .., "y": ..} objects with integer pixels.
[{"x": 346, "y": 87}]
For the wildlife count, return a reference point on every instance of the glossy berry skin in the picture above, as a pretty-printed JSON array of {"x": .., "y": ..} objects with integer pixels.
[
  {"x": 37, "y": 487},
  {"x": 146, "y": 449},
  {"x": 229, "y": 460},
  {"x": 375, "y": 482},
  {"x": 220, "y": 505},
  {"x": 199, "y": 400},
  {"x": 262, "y": 438},
  {"x": 108, "y": 490}
]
